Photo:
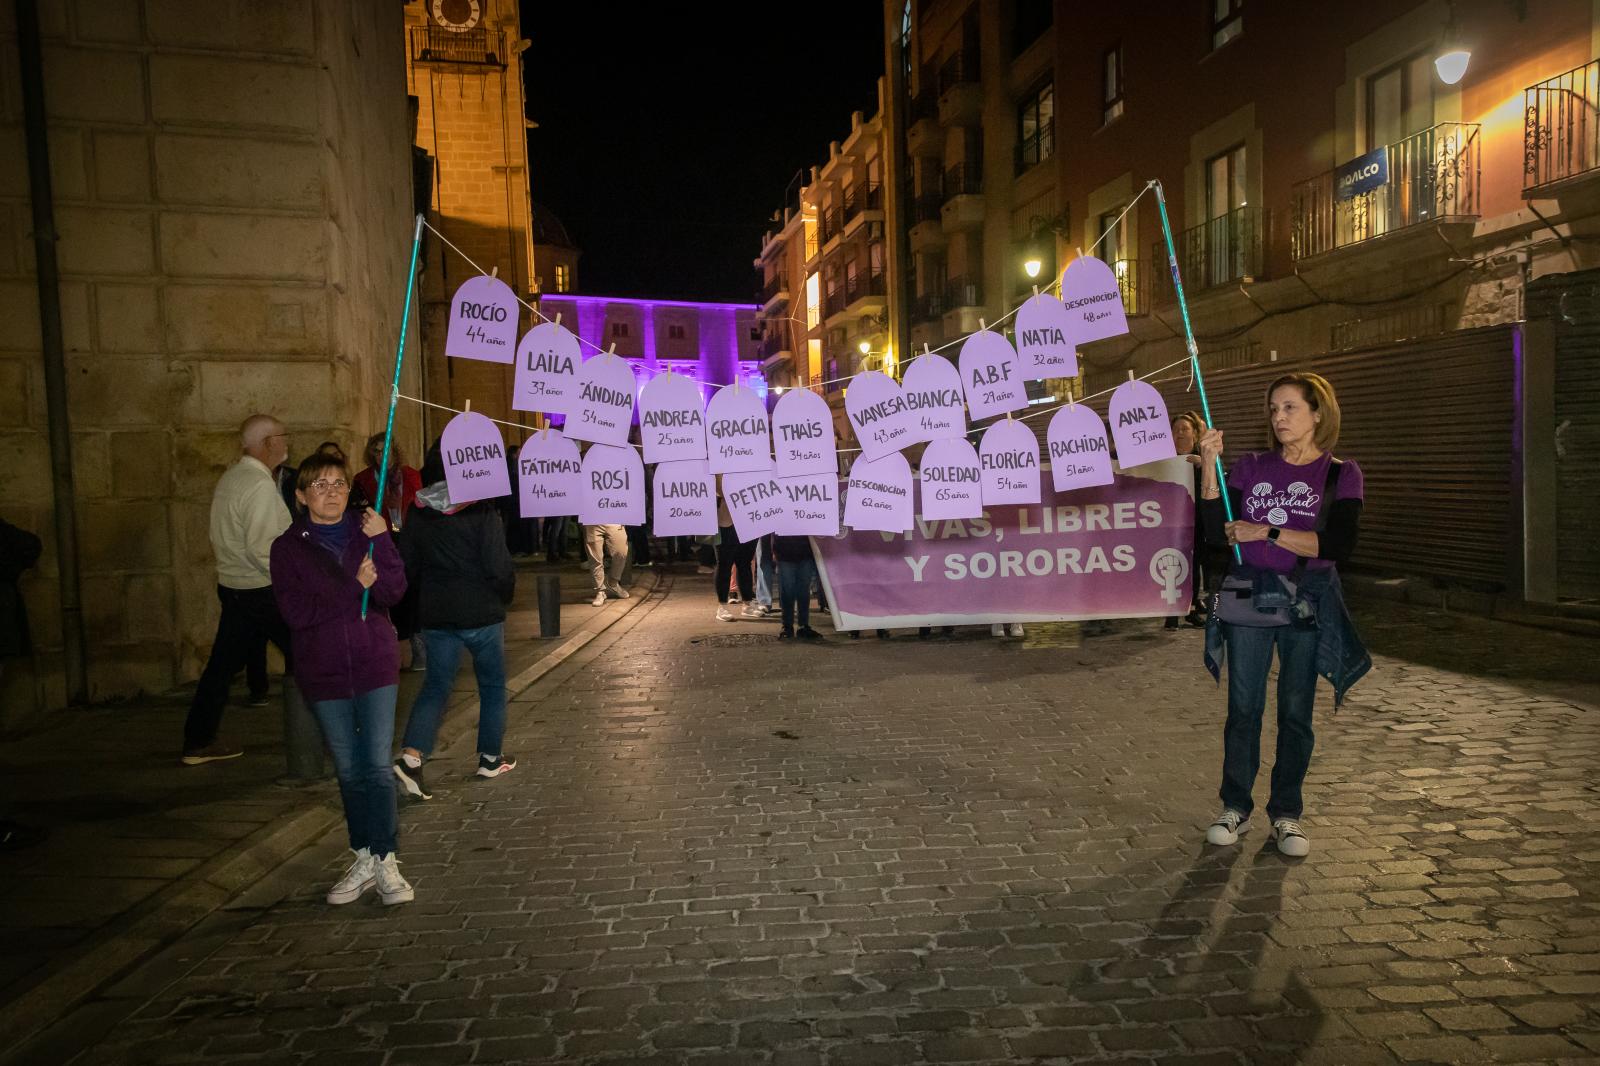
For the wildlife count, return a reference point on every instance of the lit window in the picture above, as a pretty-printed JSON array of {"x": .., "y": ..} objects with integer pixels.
[
  {"x": 1227, "y": 21},
  {"x": 563, "y": 277},
  {"x": 1111, "y": 84},
  {"x": 1036, "y": 136}
]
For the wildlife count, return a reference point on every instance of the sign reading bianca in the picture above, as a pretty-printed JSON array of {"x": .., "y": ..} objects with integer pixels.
[{"x": 932, "y": 390}]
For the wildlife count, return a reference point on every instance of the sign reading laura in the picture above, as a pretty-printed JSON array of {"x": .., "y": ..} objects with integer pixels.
[
  {"x": 474, "y": 459},
  {"x": 951, "y": 480},
  {"x": 878, "y": 495},
  {"x": 602, "y": 405},
  {"x": 990, "y": 375},
  {"x": 736, "y": 431},
  {"x": 549, "y": 476},
  {"x": 1044, "y": 335},
  {"x": 876, "y": 407},
  {"x": 1008, "y": 455},
  {"x": 802, "y": 435},
  {"x": 1139, "y": 425},
  {"x": 483, "y": 321},
  {"x": 547, "y": 369},
  {"x": 1362, "y": 174},
  {"x": 672, "y": 422},
  {"x": 686, "y": 499},
  {"x": 932, "y": 390},
  {"x": 757, "y": 502},
  {"x": 1092, "y": 297},
  {"x": 613, "y": 486},
  {"x": 1080, "y": 457}
]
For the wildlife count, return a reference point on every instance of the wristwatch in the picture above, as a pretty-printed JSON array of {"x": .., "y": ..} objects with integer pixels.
[{"x": 1272, "y": 534}]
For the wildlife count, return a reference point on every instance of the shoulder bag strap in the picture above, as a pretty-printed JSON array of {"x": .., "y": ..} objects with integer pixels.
[{"x": 1329, "y": 485}]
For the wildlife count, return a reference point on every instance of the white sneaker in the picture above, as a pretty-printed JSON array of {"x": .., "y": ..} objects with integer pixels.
[
  {"x": 997, "y": 630},
  {"x": 356, "y": 880},
  {"x": 1290, "y": 838},
  {"x": 599, "y": 600},
  {"x": 392, "y": 887},
  {"x": 734, "y": 601},
  {"x": 1014, "y": 629},
  {"x": 1228, "y": 827},
  {"x": 753, "y": 611},
  {"x": 723, "y": 614}
]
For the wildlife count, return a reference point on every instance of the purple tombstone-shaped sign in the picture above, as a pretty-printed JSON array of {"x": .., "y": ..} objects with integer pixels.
[
  {"x": 686, "y": 499},
  {"x": 601, "y": 407},
  {"x": 474, "y": 459},
  {"x": 737, "y": 436},
  {"x": 549, "y": 476},
  {"x": 1008, "y": 455},
  {"x": 879, "y": 494},
  {"x": 547, "y": 369},
  {"x": 613, "y": 486},
  {"x": 991, "y": 376},
  {"x": 756, "y": 501},
  {"x": 878, "y": 413},
  {"x": 1093, "y": 300},
  {"x": 1080, "y": 458},
  {"x": 672, "y": 420},
  {"x": 483, "y": 321},
  {"x": 802, "y": 436},
  {"x": 813, "y": 505},
  {"x": 1044, "y": 339},
  {"x": 1139, "y": 425},
  {"x": 951, "y": 480},
  {"x": 932, "y": 388}
]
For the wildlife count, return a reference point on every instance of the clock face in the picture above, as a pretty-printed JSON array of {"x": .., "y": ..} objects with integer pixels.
[{"x": 458, "y": 16}]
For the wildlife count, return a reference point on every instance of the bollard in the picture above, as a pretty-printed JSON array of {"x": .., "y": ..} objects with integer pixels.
[
  {"x": 549, "y": 605},
  {"x": 302, "y": 737}
]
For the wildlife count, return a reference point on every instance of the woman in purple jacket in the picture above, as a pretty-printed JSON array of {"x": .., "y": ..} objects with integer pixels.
[{"x": 348, "y": 667}]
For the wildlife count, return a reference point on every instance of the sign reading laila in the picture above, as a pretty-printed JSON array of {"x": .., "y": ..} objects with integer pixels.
[
  {"x": 802, "y": 435},
  {"x": 1362, "y": 174},
  {"x": 483, "y": 321},
  {"x": 1139, "y": 425},
  {"x": 813, "y": 505},
  {"x": 737, "y": 437},
  {"x": 878, "y": 495},
  {"x": 547, "y": 369},
  {"x": 613, "y": 486},
  {"x": 1080, "y": 457},
  {"x": 876, "y": 406},
  {"x": 549, "y": 475},
  {"x": 474, "y": 459},
  {"x": 1092, "y": 297},
  {"x": 686, "y": 499},
  {"x": 1044, "y": 334},
  {"x": 602, "y": 401},
  {"x": 991, "y": 375},
  {"x": 932, "y": 388},
  {"x": 756, "y": 501},
  {"x": 951, "y": 480},
  {"x": 672, "y": 421},
  {"x": 1008, "y": 455}
]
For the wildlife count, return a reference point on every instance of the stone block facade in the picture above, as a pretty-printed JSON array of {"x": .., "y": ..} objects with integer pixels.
[{"x": 232, "y": 185}]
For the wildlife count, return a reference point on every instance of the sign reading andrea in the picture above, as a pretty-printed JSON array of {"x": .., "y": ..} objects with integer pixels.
[
  {"x": 878, "y": 495},
  {"x": 813, "y": 505},
  {"x": 1008, "y": 456},
  {"x": 686, "y": 499},
  {"x": 1139, "y": 425},
  {"x": 613, "y": 486},
  {"x": 1361, "y": 175},
  {"x": 932, "y": 388},
  {"x": 802, "y": 435},
  {"x": 549, "y": 476},
  {"x": 952, "y": 480},
  {"x": 1044, "y": 339},
  {"x": 547, "y": 369},
  {"x": 991, "y": 376},
  {"x": 601, "y": 410},
  {"x": 672, "y": 421},
  {"x": 474, "y": 459},
  {"x": 1092, "y": 299},
  {"x": 876, "y": 406},
  {"x": 736, "y": 431},
  {"x": 756, "y": 501},
  {"x": 483, "y": 321},
  {"x": 1080, "y": 457}
]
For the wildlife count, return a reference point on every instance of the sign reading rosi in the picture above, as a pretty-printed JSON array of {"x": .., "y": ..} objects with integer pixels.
[{"x": 1362, "y": 174}]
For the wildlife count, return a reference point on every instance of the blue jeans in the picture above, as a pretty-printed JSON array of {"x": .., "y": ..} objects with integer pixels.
[
  {"x": 1249, "y": 660},
  {"x": 488, "y": 648},
  {"x": 794, "y": 588},
  {"x": 766, "y": 577},
  {"x": 360, "y": 734}
]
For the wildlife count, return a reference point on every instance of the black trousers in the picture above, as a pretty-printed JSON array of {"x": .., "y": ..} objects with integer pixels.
[
  {"x": 248, "y": 617},
  {"x": 736, "y": 560}
]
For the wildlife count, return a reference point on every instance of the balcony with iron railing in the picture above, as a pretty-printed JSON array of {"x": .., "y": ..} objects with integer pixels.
[
  {"x": 925, "y": 208},
  {"x": 960, "y": 91},
  {"x": 928, "y": 307},
  {"x": 962, "y": 179},
  {"x": 467, "y": 48},
  {"x": 1431, "y": 176},
  {"x": 961, "y": 68},
  {"x": 832, "y": 303},
  {"x": 963, "y": 291},
  {"x": 860, "y": 289},
  {"x": 774, "y": 342},
  {"x": 775, "y": 290},
  {"x": 1133, "y": 283},
  {"x": 861, "y": 198},
  {"x": 1222, "y": 251},
  {"x": 1031, "y": 151},
  {"x": 813, "y": 243},
  {"x": 831, "y": 224},
  {"x": 1561, "y": 127}
]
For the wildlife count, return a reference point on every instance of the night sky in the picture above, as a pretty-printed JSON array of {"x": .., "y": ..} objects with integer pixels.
[{"x": 666, "y": 142}]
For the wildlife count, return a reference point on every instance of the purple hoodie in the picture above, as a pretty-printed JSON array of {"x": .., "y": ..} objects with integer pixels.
[{"x": 336, "y": 653}]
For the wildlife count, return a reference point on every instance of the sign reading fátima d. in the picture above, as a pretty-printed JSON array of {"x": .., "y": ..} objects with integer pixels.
[{"x": 549, "y": 476}]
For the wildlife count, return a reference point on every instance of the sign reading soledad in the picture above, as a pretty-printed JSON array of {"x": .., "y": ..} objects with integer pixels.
[{"x": 1116, "y": 551}]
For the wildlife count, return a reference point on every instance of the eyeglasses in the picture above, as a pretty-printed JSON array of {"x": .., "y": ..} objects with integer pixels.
[{"x": 324, "y": 485}]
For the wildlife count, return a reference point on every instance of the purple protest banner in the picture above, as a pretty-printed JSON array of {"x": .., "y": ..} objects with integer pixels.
[
  {"x": 951, "y": 480},
  {"x": 672, "y": 420},
  {"x": 802, "y": 435},
  {"x": 601, "y": 407},
  {"x": 1114, "y": 551},
  {"x": 877, "y": 410},
  {"x": 932, "y": 388},
  {"x": 990, "y": 375},
  {"x": 1044, "y": 339},
  {"x": 483, "y": 321},
  {"x": 1092, "y": 298},
  {"x": 878, "y": 495},
  {"x": 1139, "y": 425},
  {"x": 474, "y": 459},
  {"x": 1080, "y": 458},
  {"x": 813, "y": 505},
  {"x": 686, "y": 499},
  {"x": 613, "y": 486},
  {"x": 1008, "y": 456},
  {"x": 756, "y": 501},
  {"x": 549, "y": 475},
  {"x": 547, "y": 369},
  {"x": 737, "y": 436}
]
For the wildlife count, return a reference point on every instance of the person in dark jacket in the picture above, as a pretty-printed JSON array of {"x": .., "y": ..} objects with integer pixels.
[
  {"x": 347, "y": 663},
  {"x": 19, "y": 551},
  {"x": 458, "y": 558},
  {"x": 797, "y": 568}
]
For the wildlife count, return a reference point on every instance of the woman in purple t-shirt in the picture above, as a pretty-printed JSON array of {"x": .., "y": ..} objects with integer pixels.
[{"x": 1277, "y": 496}]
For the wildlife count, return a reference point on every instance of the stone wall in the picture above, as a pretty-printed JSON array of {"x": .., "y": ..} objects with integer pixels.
[{"x": 232, "y": 189}]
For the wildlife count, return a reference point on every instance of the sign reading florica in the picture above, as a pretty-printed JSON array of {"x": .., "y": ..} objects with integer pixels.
[
  {"x": 483, "y": 321},
  {"x": 474, "y": 459},
  {"x": 1362, "y": 174},
  {"x": 1008, "y": 455}
]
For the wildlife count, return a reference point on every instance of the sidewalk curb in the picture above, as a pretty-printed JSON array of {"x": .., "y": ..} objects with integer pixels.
[{"x": 152, "y": 927}]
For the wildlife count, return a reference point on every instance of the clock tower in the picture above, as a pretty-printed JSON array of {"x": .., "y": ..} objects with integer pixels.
[{"x": 464, "y": 76}]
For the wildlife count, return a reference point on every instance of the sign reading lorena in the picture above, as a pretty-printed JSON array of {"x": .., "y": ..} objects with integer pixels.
[
  {"x": 483, "y": 321},
  {"x": 991, "y": 376},
  {"x": 549, "y": 476},
  {"x": 878, "y": 495},
  {"x": 1008, "y": 455},
  {"x": 876, "y": 406},
  {"x": 1139, "y": 425},
  {"x": 613, "y": 486},
  {"x": 1044, "y": 339},
  {"x": 547, "y": 369},
  {"x": 1093, "y": 301},
  {"x": 932, "y": 388},
  {"x": 672, "y": 421},
  {"x": 737, "y": 438},
  {"x": 1080, "y": 457},
  {"x": 802, "y": 435},
  {"x": 602, "y": 406},
  {"x": 686, "y": 499},
  {"x": 474, "y": 459},
  {"x": 952, "y": 480}
]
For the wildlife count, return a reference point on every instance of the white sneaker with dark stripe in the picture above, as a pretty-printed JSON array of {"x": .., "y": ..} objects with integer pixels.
[
  {"x": 1290, "y": 838},
  {"x": 1228, "y": 827}
]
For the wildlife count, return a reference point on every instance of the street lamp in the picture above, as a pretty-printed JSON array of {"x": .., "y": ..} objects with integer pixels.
[
  {"x": 865, "y": 347},
  {"x": 1032, "y": 265},
  {"x": 1451, "y": 62}
]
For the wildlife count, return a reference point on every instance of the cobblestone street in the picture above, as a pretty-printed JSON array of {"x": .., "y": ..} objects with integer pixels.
[{"x": 723, "y": 849}]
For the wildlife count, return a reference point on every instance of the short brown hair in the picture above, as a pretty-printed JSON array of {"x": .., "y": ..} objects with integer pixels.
[
  {"x": 374, "y": 452},
  {"x": 317, "y": 464},
  {"x": 1318, "y": 395}
]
